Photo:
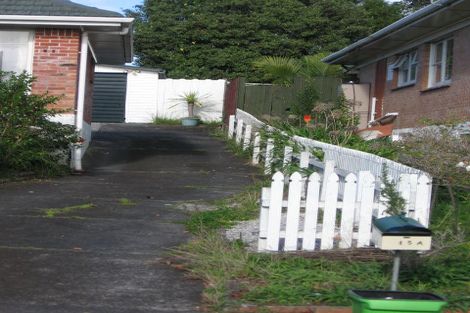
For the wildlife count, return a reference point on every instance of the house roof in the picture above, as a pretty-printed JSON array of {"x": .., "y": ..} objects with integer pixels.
[
  {"x": 429, "y": 23},
  {"x": 51, "y": 8},
  {"x": 110, "y": 33}
]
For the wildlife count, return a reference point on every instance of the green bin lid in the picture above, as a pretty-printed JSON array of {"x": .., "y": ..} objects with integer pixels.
[{"x": 400, "y": 225}]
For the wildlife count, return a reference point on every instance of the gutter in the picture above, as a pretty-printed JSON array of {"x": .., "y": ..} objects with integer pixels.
[
  {"x": 64, "y": 20},
  {"x": 406, "y": 21}
]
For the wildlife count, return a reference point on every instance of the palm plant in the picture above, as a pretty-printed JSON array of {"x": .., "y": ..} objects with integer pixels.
[
  {"x": 192, "y": 99},
  {"x": 283, "y": 70},
  {"x": 280, "y": 70}
]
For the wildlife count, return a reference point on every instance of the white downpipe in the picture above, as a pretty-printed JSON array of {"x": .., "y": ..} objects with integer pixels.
[{"x": 77, "y": 151}]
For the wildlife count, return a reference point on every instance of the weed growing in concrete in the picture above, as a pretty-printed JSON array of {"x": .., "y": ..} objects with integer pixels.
[
  {"x": 125, "y": 201},
  {"x": 67, "y": 210},
  {"x": 165, "y": 121}
]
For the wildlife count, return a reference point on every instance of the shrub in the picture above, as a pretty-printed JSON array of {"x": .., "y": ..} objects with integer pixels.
[{"x": 29, "y": 141}]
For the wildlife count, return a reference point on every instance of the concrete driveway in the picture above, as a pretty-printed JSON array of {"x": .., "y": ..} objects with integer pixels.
[{"x": 107, "y": 258}]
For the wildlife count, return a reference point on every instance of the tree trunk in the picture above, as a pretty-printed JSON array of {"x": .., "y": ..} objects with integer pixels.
[{"x": 191, "y": 110}]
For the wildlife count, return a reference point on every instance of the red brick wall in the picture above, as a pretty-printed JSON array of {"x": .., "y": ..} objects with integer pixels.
[
  {"x": 415, "y": 102},
  {"x": 56, "y": 65}
]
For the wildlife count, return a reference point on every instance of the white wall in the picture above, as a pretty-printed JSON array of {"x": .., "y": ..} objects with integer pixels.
[{"x": 210, "y": 91}]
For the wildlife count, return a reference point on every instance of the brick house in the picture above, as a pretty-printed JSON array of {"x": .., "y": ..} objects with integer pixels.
[
  {"x": 59, "y": 42},
  {"x": 418, "y": 67}
]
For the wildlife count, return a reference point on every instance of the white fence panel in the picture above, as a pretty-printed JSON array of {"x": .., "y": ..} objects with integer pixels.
[
  {"x": 170, "y": 90},
  {"x": 141, "y": 97}
]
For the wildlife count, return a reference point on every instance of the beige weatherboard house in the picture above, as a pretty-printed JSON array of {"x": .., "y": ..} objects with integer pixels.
[
  {"x": 418, "y": 67},
  {"x": 59, "y": 42}
]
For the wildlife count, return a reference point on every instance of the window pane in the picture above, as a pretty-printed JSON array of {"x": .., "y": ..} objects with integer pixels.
[
  {"x": 438, "y": 56},
  {"x": 449, "y": 59},
  {"x": 15, "y": 50},
  {"x": 413, "y": 72},
  {"x": 437, "y": 73}
]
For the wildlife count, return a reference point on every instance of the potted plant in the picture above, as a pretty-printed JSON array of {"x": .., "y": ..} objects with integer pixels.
[{"x": 192, "y": 100}]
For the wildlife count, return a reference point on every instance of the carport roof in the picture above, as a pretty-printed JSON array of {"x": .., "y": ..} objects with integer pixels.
[
  {"x": 427, "y": 24},
  {"x": 51, "y": 8}
]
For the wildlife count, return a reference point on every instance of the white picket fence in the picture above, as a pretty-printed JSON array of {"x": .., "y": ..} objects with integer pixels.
[
  {"x": 352, "y": 185},
  {"x": 245, "y": 129},
  {"x": 314, "y": 216}
]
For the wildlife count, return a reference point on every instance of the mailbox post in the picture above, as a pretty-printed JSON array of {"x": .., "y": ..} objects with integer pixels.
[{"x": 398, "y": 233}]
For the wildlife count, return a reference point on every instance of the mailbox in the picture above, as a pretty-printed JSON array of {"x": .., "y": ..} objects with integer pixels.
[{"x": 400, "y": 233}]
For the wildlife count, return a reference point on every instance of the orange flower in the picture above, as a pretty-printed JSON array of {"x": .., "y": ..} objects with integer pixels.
[{"x": 307, "y": 118}]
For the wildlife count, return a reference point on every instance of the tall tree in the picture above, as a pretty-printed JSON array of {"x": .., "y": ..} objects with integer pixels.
[
  {"x": 221, "y": 39},
  {"x": 410, "y": 6}
]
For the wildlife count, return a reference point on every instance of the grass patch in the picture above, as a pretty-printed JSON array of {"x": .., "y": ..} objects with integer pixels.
[
  {"x": 240, "y": 207},
  {"x": 166, "y": 121},
  {"x": 125, "y": 201},
  {"x": 67, "y": 210},
  {"x": 228, "y": 270}
]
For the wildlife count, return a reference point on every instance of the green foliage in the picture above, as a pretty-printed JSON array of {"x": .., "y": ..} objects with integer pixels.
[
  {"x": 306, "y": 101},
  {"x": 395, "y": 203},
  {"x": 331, "y": 122},
  {"x": 29, "y": 142},
  {"x": 283, "y": 70},
  {"x": 312, "y": 66},
  {"x": 279, "y": 70},
  {"x": 222, "y": 39}
]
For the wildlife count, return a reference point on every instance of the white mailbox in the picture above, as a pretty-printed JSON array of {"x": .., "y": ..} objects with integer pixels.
[{"x": 400, "y": 233}]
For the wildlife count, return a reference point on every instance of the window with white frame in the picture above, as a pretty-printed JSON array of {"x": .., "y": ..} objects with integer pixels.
[
  {"x": 407, "y": 67},
  {"x": 440, "y": 63},
  {"x": 16, "y": 51}
]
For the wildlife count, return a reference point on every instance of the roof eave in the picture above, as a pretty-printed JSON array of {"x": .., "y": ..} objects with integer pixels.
[{"x": 337, "y": 57}]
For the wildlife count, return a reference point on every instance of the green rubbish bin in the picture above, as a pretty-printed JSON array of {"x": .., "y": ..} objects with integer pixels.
[{"x": 378, "y": 301}]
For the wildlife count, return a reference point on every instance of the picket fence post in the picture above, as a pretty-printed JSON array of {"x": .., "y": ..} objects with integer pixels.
[
  {"x": 256, "y": 149},
  {"x": 263, "y": 218},
  {"x": 347, "y": 212},
  {"x": 293, "y": 212},
  {"x": 311, "y": 212},
  {"x": 275, "y": 212},
  {"x": 329, "y": 212},
  {"x": 238, "y": 138},
  {"x": 247, "y": 139},
  {"x": 231, "y": 126},
  {"x": 287, "y": 156},
  {"x": 366, "y": 206},
  {"x": 268, "y": 160}
]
